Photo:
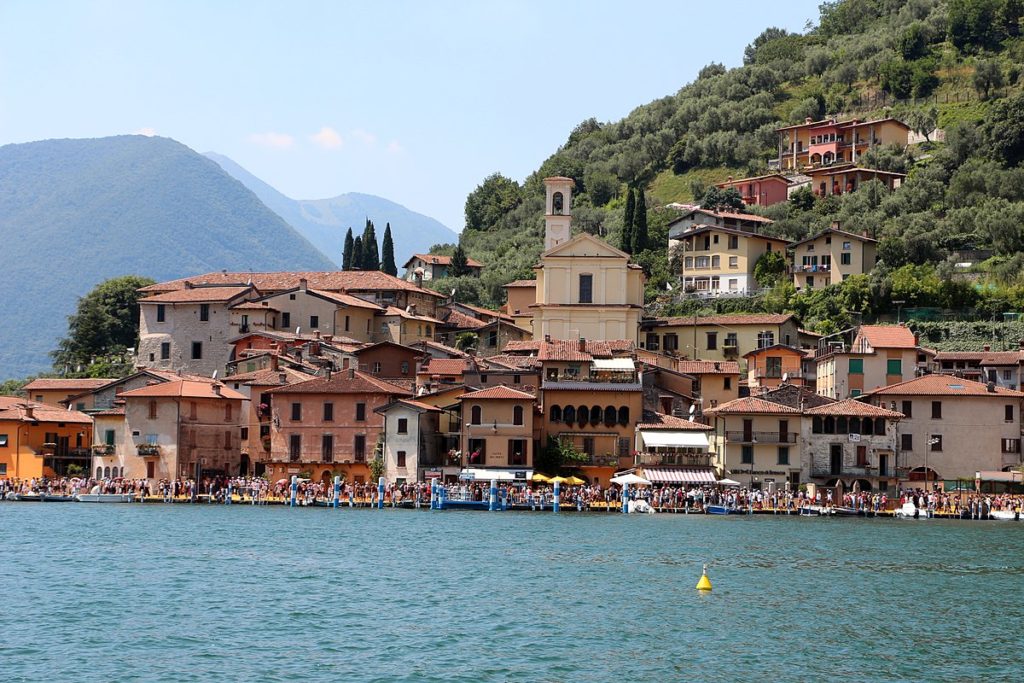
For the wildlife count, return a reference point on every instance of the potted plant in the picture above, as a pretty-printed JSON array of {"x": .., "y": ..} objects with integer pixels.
[{"x": 148, "y": 449}]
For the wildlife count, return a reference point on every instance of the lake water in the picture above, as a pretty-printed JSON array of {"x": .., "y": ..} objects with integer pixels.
[{"x": 184, "y": 593}]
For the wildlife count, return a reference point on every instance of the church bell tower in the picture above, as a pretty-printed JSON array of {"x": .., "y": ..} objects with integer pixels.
[{"x": 557, "y": 211}]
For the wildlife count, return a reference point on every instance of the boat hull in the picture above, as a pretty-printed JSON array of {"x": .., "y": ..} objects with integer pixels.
[
  {"x": 719, "y": 510},
  {"x": 104, "y": 497}
]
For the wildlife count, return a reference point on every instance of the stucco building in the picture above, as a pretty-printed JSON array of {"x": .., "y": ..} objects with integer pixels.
[
  {"x": 830, "y": 257},
  {"x": 718, "y": 337},
  {"x": 37, "y": 439},
  {"x": 879, "y": 355},
  {"x": 826, "y": 142}
]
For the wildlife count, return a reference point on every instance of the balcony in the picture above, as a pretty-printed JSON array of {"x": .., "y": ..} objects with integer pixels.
[
  {"x": 763, "y": 373},
  {"x": 148, "y": 449},
  {"x": 600, "y": 461},
  {"x": 826, "y": 268},
  {"x": 676, "y": 459},
  {"x": 103, "y": 449},
  {"x": 760, "y": 437}
]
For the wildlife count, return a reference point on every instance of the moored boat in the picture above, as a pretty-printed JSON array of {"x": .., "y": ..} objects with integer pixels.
[
  {"x": 104, "y": 497},
  {"x": 910, "y": 511},
  {"x": 56, "y": 498},
  {"x": 720, "y": 510},
  {"x": 1005, "y": 515}
]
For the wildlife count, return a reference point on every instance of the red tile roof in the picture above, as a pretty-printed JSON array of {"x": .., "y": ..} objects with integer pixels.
[
  {"x": 1002, "y": 358},
  {"x": 196, "y": 295},
  {"x": 444, "y": 348},
  {"x": 708, "y": 367},
  {"x": 444, "y": 366},
  {"x": 730, "y": 214},
  {"x": 14, "y": 408},
  {"x": 420, "y": 405},
  {"x": 461, "y": 321},
  {"x": 252, "y": 306},
  {"x": 727, "y": 320},
  {"x": 333, "y": 280},
  {"x": 498, "y": 393},
  {"x": 402, "y": 313},
  {"x": 439, "y": 260},
  {"x": 183, "y": 388},
  {"x": 656, "y": 421},
  {"x": 66, "y": 384},
  {"x": 943, "y": 385},
  {"x": 269, "y": 377},
  {"x": 887, "y": 336},
  {"x": 517, "y": 362},
  {"x": 344, "y": 382},
  {"x": 752, "y": 406},
  {"x": 345, "y": 299},
  {"x": 853, "y": 408},
  {"x": 521, "y": 283}
]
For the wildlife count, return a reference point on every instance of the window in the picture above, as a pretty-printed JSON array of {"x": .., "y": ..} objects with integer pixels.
[
  {"x": 845, "y": 258},
  {"x": 475, "y": 415},
  {"x": 152, "y": 410},
  {"x": 652, "y": 342},
  {"x": 854, "y": 393},
  {"x": 360, "y": 412},
  {"x": 492, "y": 338},
  {"x": 773, "y": 366},
  {"x": 400, "y": 457},
  {"x": 328, "y": 412},
  {"x": 359, "y": 447},
  {"x": 517, "y": 451},
  {"x": 227, "y": 439},
  {"x": 846, "y": 246},
  {"x": 404, "y": 367},
  {"x": 477, "y": 449},
  {"x": 906, "y": 442},
  {"x": 517, "y": 415},
  {"x": 1008, "y": 416},
  {"x": 161, "y": 313},
  {"x": 623, "y": 415},
  {"x": 555, "y": 413},
  {"x": 727, "y": 383},
  {"x": 204, "y": 312},
  {"x": 810, "y": 281},
  {"x": 856, "y": 366},
  {"x": 108, "y": 437},
  {"x": 377, "y": 367},
  {"x": 286, "y": 320},
  {"x": 483, "y": 379},
  {"x": 197, "y": 350},
  {"x": 936, "y": 442},
  {"x": 734, "y": 261},
  {"x": 783, "y": 455},
  {"x": 347, "y": 323},
  {"x": 671, "y": 341},
  {"x": 80, "y": 406},
  {"x": 907, "y": 408},
  {"x": 296, "y": 412},
  {"x": 165, "y": 350},
  {"x": 327, "y": 448},
  {"x": 731, "y": 340},
  {"x": 228, "y": 412},
  {"x": 314, "y": 322},
  {"x": 403, "y": 425},
  {"x": 244, "y": 433},
  {"x": 747, "y": 455},
  {"x": 712, "y": 341},
  {"x": 586, "y": 288},
  {"x": 765, "y": 339},
  {"x": 1011, "y": 445},
  {"x": 734, "y": 242},
  {"x": 294, "y": 447},
  {"x": 936, "y": 410},
  {"x": 716, "y": 261},
  {"x": 3, "y": 440},
  {"x": 688, "y": 262},
  {"x": 517, "y": 379},
  {"x": 894, "y": 366}
]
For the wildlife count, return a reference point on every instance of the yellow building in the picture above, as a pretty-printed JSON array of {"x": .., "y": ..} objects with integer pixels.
[
  {"x": 38, "y": 440},
  {"x": 878, "y": 356},
  {"x": 714, "y": 260},
  {"x": 718, "y": 337},
  {"x": 499, "y": 428},
  {"x": 830, "y": 257},
  {"x": 57, "y": 392},
  {"x": 519, "y": 296},
  {"x": 586, "y": 288},
  {"x": 755, "y": 442}
]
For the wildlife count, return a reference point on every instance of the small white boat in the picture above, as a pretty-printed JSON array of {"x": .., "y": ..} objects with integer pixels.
[
  {"x": 105, "y": 498},
  {"x": 1005, "y": 515},
  {"x": 641, "y": 506},
  {"x": 911, "y": 511}
]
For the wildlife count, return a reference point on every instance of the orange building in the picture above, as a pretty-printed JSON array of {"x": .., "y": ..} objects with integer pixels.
[
  {"x": 762, "y": 190},
  {"x": 499, "y": 429},
  {"x": 57, "y": 392},
  {"x": 38, "y": 440},
  {"x": 769, "y": 366},
  {"x": 826, "y": 142}
]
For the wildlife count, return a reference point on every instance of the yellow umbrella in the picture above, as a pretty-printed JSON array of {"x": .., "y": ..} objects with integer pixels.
[
  {"x": 559, "y": 480},
  {"x": 540, "y": 477},
  {"x": 575, "y": 481}
]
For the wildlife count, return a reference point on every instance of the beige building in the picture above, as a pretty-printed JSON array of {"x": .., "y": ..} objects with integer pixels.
[
  {"x": 58, "y": 392},
  {"x": 830, "y": 257},
  {"x": 311, "y": 310},
  {"x": 520, "y": 296},
  {"x": 756, "y": 442},
  {"x": 826, "y": 142},
  {"x": 850, "y": 444},
  {"x": 718, "y": 337},
  {"x": 953, "y": 428},
  {"x": 714, "y": 260},
  {"x": 498, "y": 428},
  {"x": 412, "y": 440},
  {"x": 879, "y": 355}
]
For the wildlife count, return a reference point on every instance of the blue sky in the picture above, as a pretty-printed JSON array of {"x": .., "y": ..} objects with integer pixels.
[{"x": 413, "y": 101}]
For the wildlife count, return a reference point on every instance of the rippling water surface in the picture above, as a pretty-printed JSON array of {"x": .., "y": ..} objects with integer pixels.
[{"x": 176, "y": 593}]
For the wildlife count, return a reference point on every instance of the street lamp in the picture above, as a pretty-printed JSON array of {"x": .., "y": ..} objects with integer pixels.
[{"x": 899, "y": 309}]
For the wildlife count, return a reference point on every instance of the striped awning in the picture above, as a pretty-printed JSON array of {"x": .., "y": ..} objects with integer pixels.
[{"x": 671, "y": 475}]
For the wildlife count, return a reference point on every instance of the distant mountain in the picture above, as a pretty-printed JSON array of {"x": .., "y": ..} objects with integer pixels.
[
  {"x": 324, "y": 221},
  {"x": 76, "y": 212}
]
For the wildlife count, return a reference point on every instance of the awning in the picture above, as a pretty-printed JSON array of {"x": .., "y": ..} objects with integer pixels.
[
  {"x": 481, "y": 474},
  {"x": 614, "y": 364},
  {"x": 662, "y": 438},
  {"x": 666, "y": 475},
  {"x": 1008, "y": 477}
]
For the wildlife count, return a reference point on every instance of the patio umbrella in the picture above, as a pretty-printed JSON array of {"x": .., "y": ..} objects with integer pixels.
[
  {"x": 558, "y": 480},
  {"x": 728, "y": 482},
  {"x": 630, "y": 479},
  {"x": 575, "y": 481},
  {"x": 540, "y": 477}
]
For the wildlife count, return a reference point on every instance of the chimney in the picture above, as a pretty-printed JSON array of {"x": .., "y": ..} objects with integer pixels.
[
  {"x": 303, "y": 284},
  {"x": 351, "y": 373},
  {"x": 547, "y": 338},
  {"x": 730, "y": 179},
  {"x": 29, "y": 412},
  {"x": 808, "y": 120},
  {"x": 327, "y": 371},
  {"x": 986, "y": 347},
  {"x": 273, "y": 346},
  {"x": 917, "y": 339},
  {"x": 188, "y": 285},
  {"x": 419, "y": 278},
  {"x": 216, "y": 387},
  {"x": 273, "y": 362},
  {"x": 282, "y": 377},
  {"x": 316, "y": 334},
  {"x": 991, "y": 386},
  {"x": 328, "y": 338},
  {"x": 835, "y": 225},
  {"x": 582, "y": 344}
]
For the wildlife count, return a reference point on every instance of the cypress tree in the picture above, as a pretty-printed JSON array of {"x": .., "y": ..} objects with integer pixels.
[
  {"x": 357, "y": 253},
  {"x": 346, "y": 254},
  {"x": 387, "y": 262},
  {"x": 371, "y": 254},
  {"x": 460, "y": 264},
  {"x": 640, "y": 223},
  {"x": 627, "y": 222}
]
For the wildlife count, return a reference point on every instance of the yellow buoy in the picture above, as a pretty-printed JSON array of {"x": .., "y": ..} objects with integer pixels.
[{"x": 705, "y": 583}]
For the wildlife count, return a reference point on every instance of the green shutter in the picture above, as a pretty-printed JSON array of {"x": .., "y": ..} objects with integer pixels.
[
  {"x": 894, "y": 366},
  {"x": 856, "y": 366}
]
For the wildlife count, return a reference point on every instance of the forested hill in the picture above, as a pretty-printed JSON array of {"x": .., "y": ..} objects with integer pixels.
[
  {"x": 76, "y": 212},
  {"x": 951, "y": 64}
]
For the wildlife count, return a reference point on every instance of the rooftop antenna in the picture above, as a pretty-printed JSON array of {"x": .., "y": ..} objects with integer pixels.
[
  {"x": 214, "y": 376},
  {"x": 693, "y": 409},
  {"x": 785, "y": 377},
  {"x": 298, "y": 331}
]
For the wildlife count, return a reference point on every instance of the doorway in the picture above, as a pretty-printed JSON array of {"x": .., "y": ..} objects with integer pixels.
[{"x": 835, "y": 459}]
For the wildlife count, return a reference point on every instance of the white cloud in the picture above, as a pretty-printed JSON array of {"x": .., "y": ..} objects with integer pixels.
[
  {"x": 328, "y": 138},
  {"x": 364, "y": 136},
  {"x": 148, "y": 132},
  {"x": 272, "y": 139},
  {"x": 395, "y": 147}
]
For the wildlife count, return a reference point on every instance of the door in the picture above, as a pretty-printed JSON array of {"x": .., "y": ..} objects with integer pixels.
[
  {"x": 835, "y": 460},
  {"x": 883, "y": 464}
]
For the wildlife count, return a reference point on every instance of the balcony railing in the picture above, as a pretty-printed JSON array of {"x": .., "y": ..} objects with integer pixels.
[
  {"x": 760, "y": 437},
  {"x": 103, "y": 449},
  {"x": 677, "y": 459},
  {"x": 763, "y": 373},
  {"x": 827, "y": 268},
  {"x": 601, "y": 461},
  {"x": 148, "y": 449}
]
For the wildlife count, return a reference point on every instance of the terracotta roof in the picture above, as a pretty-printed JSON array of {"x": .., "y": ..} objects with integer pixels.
[
  {"x": 196, "y": 295},
  {"x": 333, "y": 280},
  {"x": 826, "y": 171},
  {"x": 809, "y": 333},
  {"x": 770, "y": 176},
  {"x": 655, "y": 421},
  {"x": 528, "y": 345},
  {"x": 66, "y": 384},
  {"x": 517, "y": 362},
  {"x": 849, "y": 123},
  {"x": 461, "y": 321},
  {"x": 269, "y": 377},
  {"x": 498, "y": 393},
  {"x": 853, "y": 408},
  {"x": 887, "y": 336},
  {"x": 728, "y": 214},
  {"x": 252, "y": 306},
  {"x": 344, "y": 382},
  {"x": 521, "y": 283},
  {"x": 942, "y": 385},
  {"x": 444, "y": 366},
  {"x": 14, "y": 408},
  {"x": 184, "y": 388},
  {"x": 960, "y": 355},
  {"x": 444, "y": 348},
  {"x": 708, "y": 367},
  {"x": 775, "y": 347},
  {"x": 701, "y": 228},
  {"x": 832, "y": 231},
  {"x": 484, "y": 311},
  {"x": 737, "y": 319},
  {"x": 108, "y": 412},
  {"x": 751, "y": 405},
  {"x": 1002, "y": 358},
  {"x": 794, "y": 396},
  {"x": 402, "y": 313},
  {"x": 420, "y": 405},
  {"x": 345, "y": 299},
  {"x": 439, "y": 260}
]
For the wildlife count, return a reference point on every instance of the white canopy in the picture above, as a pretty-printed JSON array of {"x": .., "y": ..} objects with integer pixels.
[
  {"x": 664, "y": 438},
  {"x": 629, "y": 479},
  {"x": 728, "y": 482},
  {"x": 481, "y": 474},
  {"x": 614, "y": 364}
]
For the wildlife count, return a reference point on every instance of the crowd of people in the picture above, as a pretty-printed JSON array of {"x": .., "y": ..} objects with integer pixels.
[{"x": 676, "y": 498}]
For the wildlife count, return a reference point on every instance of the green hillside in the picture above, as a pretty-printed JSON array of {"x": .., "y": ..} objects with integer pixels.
[
  {"x": 76, "y": 212},
  {"x": 955, "y": 64}
]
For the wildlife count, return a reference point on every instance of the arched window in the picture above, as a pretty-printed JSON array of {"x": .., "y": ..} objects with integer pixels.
[
  {"x": 570, "y": 415},
  {"x": 841, "y": 425},
  {"x": 517, "y": 415},
  {"x": 880, "y": 426},
  {"x": 557, "y": 204},
  {"x": 582, "y": 414},
  {"x": 830, "y": 425},
  {"x": 556, "y": 413},
  {"x": 816, "y": 425},
  {"x": 623, "y": 415},
  {"x": 595, "y": 415},
  {"x": 855, "y": 426},
  {"x": 476, "y": 415},
  {"x": 106, "y": 473},
  {"x": 99, "y": 472},
  {"x": 609, "y": 416}
]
